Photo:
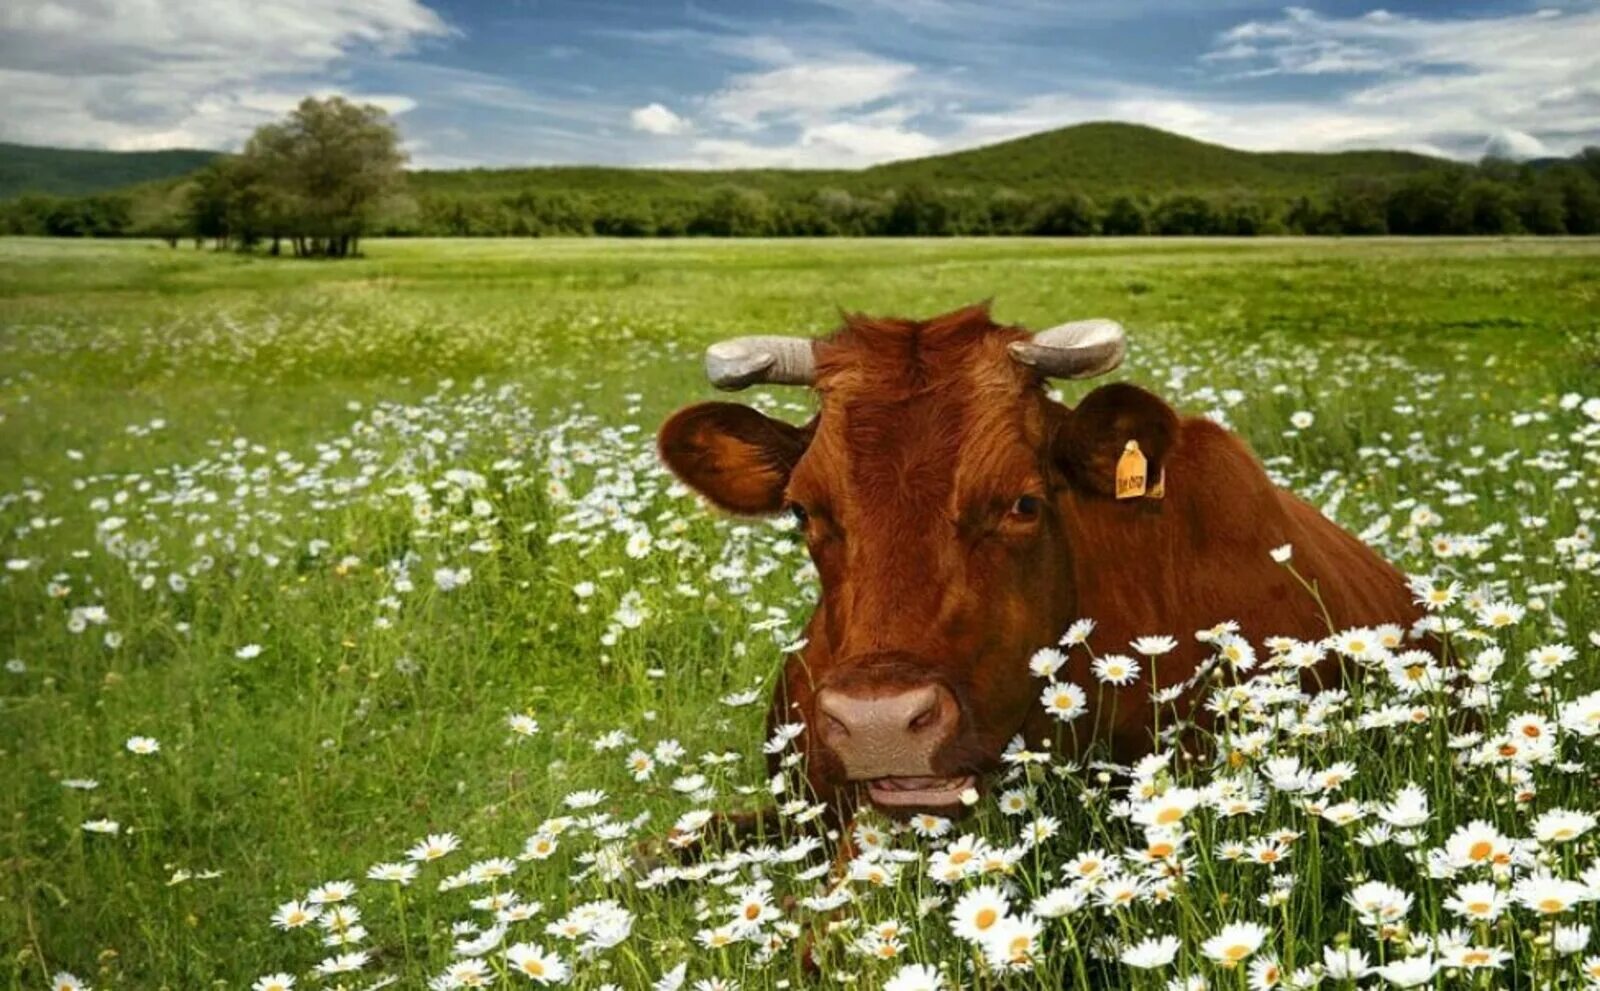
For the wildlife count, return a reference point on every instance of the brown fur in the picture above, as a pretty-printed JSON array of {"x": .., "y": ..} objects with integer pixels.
[{"x": 928, "y": 433}]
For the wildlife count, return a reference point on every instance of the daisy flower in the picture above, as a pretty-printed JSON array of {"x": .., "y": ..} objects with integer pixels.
[
  {"x": 1234, "y": 943},
  {"x": 1410, "y": 971},
  {"x": 434, "y": 846},
  {"x": 1476, "y": 843},
  {"x": 1045, "y": 663},
  {"x": 915, "y": 977},
  {"x": 1479, "y": 901},
  {"x": 1012, "y": 943},
  {"x": 1064, "y": 700},
  {"x": 1561, "y": 825},
  {"x": 1151, "y": 953},
  {"x": 1548, "y": 895},
  {"x": 398, "y": 873},
  {"x": 977, "y": 912},
  {"x": 1116, "y": 669},
  {"x": 1154, "y": 646},
  {"x": 534, "y": 963},
  {"x": 293, "y": 915}
]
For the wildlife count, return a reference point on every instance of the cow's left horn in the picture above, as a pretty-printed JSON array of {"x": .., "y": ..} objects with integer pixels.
[
  {"x": 1078, "y": 350},
  {"x": 744, "y": 361}
]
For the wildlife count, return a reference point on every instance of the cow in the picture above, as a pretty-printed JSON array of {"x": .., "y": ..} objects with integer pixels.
[{"x": 960, "y": 519}]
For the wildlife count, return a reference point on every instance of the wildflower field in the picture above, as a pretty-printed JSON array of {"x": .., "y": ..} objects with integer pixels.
[{"x": 352, "y": 635}]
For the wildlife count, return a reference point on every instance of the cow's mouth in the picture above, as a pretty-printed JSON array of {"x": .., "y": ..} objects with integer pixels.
[{"x": 915, "y": 793}]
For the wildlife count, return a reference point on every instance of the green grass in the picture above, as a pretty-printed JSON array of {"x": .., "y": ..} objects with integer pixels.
[{"x": 253, "y": 425}]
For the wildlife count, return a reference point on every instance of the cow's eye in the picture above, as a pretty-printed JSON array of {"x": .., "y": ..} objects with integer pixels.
[
  {"x": 1026, "y": 507},
  {"x": 799, "y": 513}
]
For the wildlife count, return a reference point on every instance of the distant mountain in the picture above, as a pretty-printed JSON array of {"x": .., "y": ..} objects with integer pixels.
[
  {"x": 77, "y": 172},
  {"x": 1107, "y": 157},
  {"x": 1095, "y": 158}
]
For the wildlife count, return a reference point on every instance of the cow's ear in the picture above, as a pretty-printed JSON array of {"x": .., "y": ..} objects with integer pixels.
[
  {"x": 736, "y": 457},
  {"x": 1090, "y": 438}
]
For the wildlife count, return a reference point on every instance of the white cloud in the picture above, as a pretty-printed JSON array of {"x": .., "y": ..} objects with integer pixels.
[
  {"x": 840, "y": 144},
  {"x": 1522, "y": 86},
  {"x": 657, "y": 119},
  {"x": 164, "y": 73},
  {"x": 1455, "y": 83},
  {"x": 808, "y": 90}
]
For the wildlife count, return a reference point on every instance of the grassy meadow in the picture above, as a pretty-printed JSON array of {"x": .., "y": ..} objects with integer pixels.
[{"x": 378, "y": 550}]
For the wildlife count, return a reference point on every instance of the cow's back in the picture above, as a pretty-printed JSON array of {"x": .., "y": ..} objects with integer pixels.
[{"x": 1201, "y": 556}]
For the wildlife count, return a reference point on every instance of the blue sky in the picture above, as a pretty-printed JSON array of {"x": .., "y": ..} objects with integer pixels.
[{"x": 846, "y": 83}]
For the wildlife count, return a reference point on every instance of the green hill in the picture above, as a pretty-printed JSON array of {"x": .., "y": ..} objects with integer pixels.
[
  {"x": 1097, "y": 159},
  {"x": 77, "y": 172},
  {"x": 1106, "y": 157},
  {"x": 1096, "y": 178}
]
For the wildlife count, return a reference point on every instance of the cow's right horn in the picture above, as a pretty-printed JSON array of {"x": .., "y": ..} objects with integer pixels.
[
  {"x": 1078, "y": 350},
  {"x": 745, "y": 361}
]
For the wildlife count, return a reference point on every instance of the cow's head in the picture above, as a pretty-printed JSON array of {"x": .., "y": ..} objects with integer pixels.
[{"x": 936, "y": 489}]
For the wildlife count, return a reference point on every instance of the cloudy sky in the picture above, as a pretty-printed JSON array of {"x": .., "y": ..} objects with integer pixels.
[{"x": 714, "y": 83}]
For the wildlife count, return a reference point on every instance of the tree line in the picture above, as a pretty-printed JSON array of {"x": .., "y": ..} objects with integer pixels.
[
  {"x": 315, "y": 181},
  {"x": 332, "y": 172}
]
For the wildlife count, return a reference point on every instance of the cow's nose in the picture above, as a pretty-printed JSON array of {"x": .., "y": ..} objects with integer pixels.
[{"x": 893, "y": 735}]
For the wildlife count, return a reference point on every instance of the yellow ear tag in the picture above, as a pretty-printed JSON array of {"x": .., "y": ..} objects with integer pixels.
[
  {"x": 1130, "y": 472},
  {"x": 1159, "y": 489}
]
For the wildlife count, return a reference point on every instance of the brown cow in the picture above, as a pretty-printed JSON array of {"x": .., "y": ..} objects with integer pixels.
[{"x": 960, "y": 520}]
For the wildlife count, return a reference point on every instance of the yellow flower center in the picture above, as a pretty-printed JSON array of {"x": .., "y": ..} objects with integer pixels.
[
  {"x": 1169, "y": 815},
  {"x": 533, "y": 968},
  {"x": 1480, "y": 850},
  {"x": 985, "y": 918}
]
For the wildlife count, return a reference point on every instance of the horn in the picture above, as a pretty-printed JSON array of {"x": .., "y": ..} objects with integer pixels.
[
  {"x": 745, "y": 361},
  {"x": 1078, "y": 350}
]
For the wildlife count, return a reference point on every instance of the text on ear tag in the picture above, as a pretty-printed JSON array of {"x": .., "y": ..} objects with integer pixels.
[
  {"x": 1159, "y": 489},
  {"x": 1130, "y": 472}
]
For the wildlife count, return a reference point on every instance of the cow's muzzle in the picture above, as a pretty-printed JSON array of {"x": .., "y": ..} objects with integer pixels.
[{"x": 890, "y": 736}]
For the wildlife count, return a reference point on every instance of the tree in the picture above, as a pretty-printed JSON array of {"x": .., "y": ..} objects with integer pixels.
[
  {"x": 1185, "y": 215},
  {"x": 1486, "y": 207},
  {"x": 1423, "y": 204},
  {"x": 162, "y": 213},
  {"x": 323, "y": 173},
  {"x": 207, "y": 206},
  {"x": 1125, "y": 218},
  {"x": 1070, "y": 215},
  {"x": 917, "y": 211},
  {"x": 1359, "y": 206},
  {"x": 1541, "y": 207},
  {"x": 1580, "y": 196},
  {"x": 734, "y": 212}
]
